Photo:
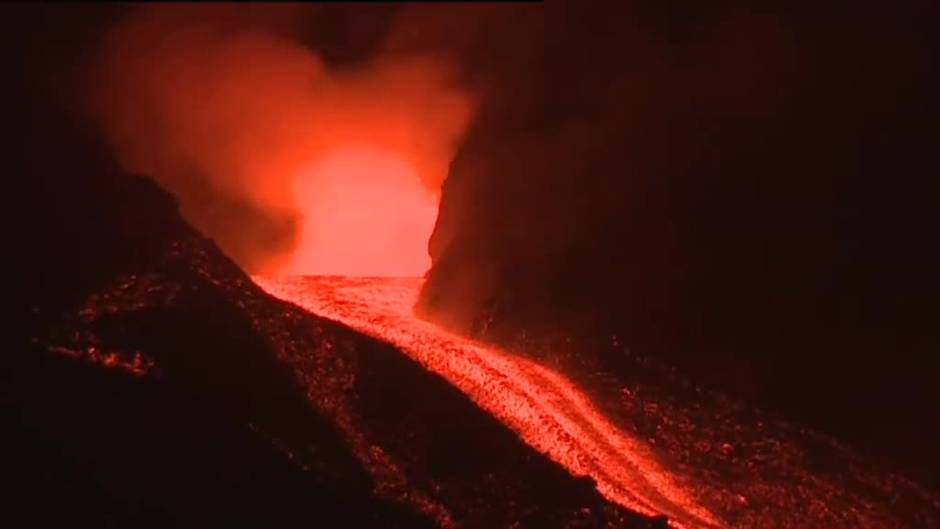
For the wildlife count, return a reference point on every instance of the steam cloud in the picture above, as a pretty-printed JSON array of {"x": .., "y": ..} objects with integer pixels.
[{"x": 228, "y": 110}]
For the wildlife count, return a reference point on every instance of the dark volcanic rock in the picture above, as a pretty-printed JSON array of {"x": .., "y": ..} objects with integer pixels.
[
  {"x": 740, "y": 193},
  {"x": 365, "y": 423},
  {"x": 86, "y": 445},
  {"x": 180, "y": 391},
  {"x": 143, "y": 394},
  {"x": 153, "y": 384}
]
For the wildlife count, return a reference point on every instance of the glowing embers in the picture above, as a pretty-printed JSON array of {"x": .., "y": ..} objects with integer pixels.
[
  {"x": 543, "y": 408},
  {"x": 134, "y": 363},
  {"x": 366, "y": 213}
]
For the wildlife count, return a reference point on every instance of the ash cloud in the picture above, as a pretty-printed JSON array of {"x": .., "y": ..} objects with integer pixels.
[{"x": 226, "y": 105}]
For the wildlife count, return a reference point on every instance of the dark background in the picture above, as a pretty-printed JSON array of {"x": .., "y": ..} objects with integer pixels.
[
  {"x": 745, "y": 191},
  {"x": 741, "y": 189}
]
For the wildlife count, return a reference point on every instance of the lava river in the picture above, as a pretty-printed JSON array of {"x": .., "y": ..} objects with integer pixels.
[
  {"x": 549, "y": 412},
  {"x": 542, "y": 407}
]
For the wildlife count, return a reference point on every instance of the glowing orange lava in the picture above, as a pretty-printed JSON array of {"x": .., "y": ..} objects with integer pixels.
[
  {"x": 544, "y": 408},
  {"x": 366, "y": 213},
  {"x": 769, "y": 480}
]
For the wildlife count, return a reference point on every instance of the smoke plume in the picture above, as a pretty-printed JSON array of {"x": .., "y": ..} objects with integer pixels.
[{"x": 289, "y": 163}]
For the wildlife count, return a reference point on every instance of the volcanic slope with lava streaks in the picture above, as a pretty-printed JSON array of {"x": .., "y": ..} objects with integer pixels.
[{"x": 767, "y": 484}]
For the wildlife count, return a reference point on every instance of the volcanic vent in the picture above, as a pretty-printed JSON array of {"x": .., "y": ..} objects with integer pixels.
[
  {"x": 319, "y": 175},
  {"x": 290, "y": 162}
]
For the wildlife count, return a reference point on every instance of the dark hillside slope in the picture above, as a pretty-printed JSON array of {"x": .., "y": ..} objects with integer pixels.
[
  {"x": 152, "y": 383},
  {"x": 741, "y": 190}
]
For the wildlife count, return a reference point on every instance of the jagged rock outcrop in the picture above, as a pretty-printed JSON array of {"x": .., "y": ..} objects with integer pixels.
[{"x": 740, "y": 194}]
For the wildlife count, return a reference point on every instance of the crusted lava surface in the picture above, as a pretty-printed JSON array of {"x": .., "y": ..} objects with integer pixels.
[
  {"x": 656, "y": 443},
  {"x": 153, "y": 383},
  {"x": 188, "y": 391}
]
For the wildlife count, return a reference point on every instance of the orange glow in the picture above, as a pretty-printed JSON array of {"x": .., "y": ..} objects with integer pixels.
[
  {"x": 544, "y": 408},
  {"x": 135, "y": 364},
  {"x": 241, "y": 121},
  {"x": 365, "y": 213},
  {"x": 711, "y": 465}
]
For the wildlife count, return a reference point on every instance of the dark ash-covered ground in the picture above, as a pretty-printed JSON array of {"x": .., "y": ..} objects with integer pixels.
[
  {"x": 157, "y": 385},
  {"x": 315, "y": 411}
]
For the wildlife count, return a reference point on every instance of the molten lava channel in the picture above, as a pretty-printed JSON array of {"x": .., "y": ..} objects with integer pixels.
[{"x": 544, "y": 408}]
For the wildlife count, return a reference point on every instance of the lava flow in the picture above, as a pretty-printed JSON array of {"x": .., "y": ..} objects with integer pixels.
[{"x": 542, "y": 407}]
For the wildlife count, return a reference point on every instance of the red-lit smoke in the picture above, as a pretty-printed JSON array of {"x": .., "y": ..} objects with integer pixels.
[{"x": 288, "y": 163}]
